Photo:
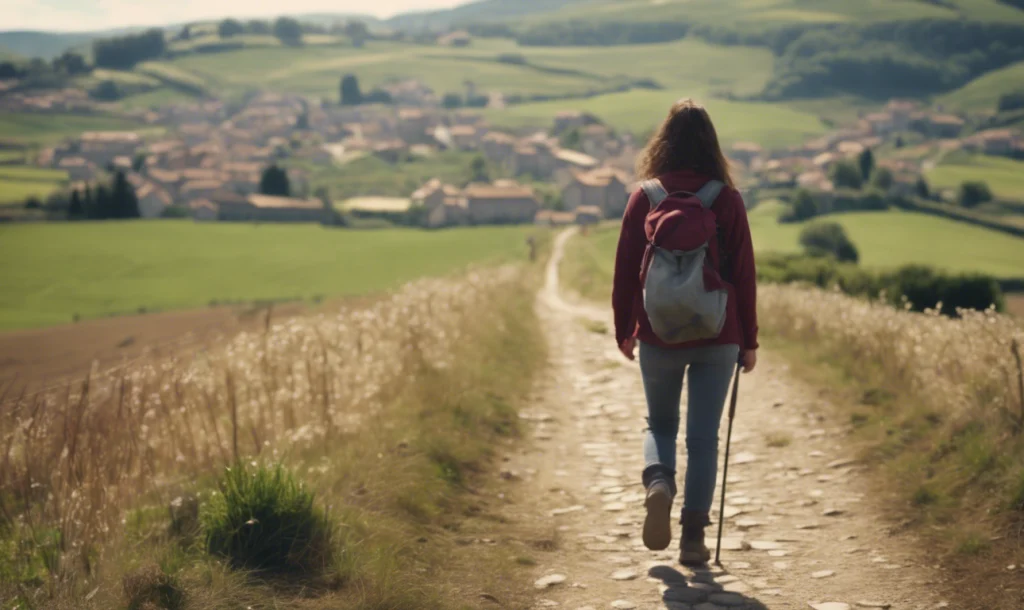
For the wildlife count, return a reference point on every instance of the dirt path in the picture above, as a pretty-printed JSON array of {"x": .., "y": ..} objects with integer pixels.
[{"x": 801, "y": 529}]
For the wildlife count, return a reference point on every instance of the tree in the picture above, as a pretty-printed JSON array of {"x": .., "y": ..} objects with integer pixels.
[
  {"x": 883, "y": 178},
  {"x": 123, "y": 201},
  {"x": 478, "y": 170},
  {"x": 71, "y": 64},
  {"x": 76, "y": 209},
  {"x": 229, "y": 28},
  {"x": 9, "y": 70},
  {"x": 357, "y": 32},
  {"x": 124, "y": 52},
  {"x": 866, "y": 161},
  {"x": 804, "y": 206},
  {"x": 288, "y": 31},
  {"x": 350, "y": 93},
  {"x": 451, "y": 101},
  {"x": 828, "y": 239},
  {"x": 185, "y": 33},
  {"x": 256, "y": 26},
  {"x": 101, "y": 204},
  {"x": 106, "y": 91},
  {"x": 572, "y": 139},
  {"x": 974, "y": 193},
  {"x": 921, "y": 188},
  {"x": 274, "y": 181},
  {"x": 847, "y": 174}
]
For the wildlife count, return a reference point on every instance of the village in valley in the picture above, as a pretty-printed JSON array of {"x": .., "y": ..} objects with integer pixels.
[{"x": 206, "y": 159}]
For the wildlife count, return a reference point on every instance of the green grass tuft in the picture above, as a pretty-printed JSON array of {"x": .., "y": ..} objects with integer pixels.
[{"x": 263, "y": 519}]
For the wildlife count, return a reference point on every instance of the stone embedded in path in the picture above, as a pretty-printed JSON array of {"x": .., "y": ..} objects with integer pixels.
[
  {"x": 830, "y": 606},
  {"x": 765, "y": 545},
  {"x": 625, "y": 575},
  {"x": 781, "y": 565},
  {"x": 745, "y": 524},
  {"x": 621, "y": 604},
  {"x": 611, "y": 473},
  {"x": 739, "y": 565},
  {"x": 614, "y": 507},
  {"x": 870, "y": 604},
  {"x": 840, "y": 463},
  {"x": 823, "y": 574},
  {"x": 833, "y": 512},
  {"x": 808, "y": 526},
  {"x": 744, "y": 458},
  {"x": 778, "y": 553},
  {"x": 537, "y": 417},
  {"x": 549, "y": 581},
  {"x": 567, "y": 510},
  {"x": 735, "y": 544},
  {"x": 546, "y": 603}
]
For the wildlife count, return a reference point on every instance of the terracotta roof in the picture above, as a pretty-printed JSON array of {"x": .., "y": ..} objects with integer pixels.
[
  {"x": 490, "y": 191},
  {"x": 270, "y": 202},
  {"x": 73, "y": 162},
  {"x": 576, "y": 158},
  {"x": 201, "y": 185},
  {"x": 110, "y": 136},
  {"x": 589, "y": 209},
  {"x": 203, "y": 203}
]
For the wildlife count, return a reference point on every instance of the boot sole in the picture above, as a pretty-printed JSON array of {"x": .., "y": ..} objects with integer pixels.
[{"x": 658, "y": 524}]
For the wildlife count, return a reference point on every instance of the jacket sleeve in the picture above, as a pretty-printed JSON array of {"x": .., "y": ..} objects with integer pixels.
[
  {"x": 743, "y": 268},
  {"x": 628, "y": 260}
]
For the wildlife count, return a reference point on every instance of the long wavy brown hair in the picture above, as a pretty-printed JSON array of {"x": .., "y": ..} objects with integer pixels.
[{"x": 686, "y": 140}]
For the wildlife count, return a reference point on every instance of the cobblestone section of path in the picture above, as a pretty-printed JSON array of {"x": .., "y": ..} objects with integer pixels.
[{"x": 801, "y": 530}]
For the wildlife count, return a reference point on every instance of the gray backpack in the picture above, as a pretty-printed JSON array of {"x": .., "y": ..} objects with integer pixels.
[{"x": 684, "y": 296}]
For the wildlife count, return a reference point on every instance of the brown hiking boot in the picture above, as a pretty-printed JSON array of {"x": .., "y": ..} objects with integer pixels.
[
  {"x": 658, "y": 524},
  {"x": 693, "y": 552}
]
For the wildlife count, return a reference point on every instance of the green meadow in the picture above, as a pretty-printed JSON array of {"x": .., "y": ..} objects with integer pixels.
[
  {"x": 19, "y": 182},
  {"x": 885, "y": 240},
  {"x": 98, "y": 269},
  {"x": 1004, "y": 176},
  {"x": 983, "y": 93},
  {"x": 43, "y": 129},
  {"x": 771, "y": 125}
]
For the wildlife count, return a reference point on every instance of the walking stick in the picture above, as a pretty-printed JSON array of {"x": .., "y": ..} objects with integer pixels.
[{"x": 725, "y": 470}]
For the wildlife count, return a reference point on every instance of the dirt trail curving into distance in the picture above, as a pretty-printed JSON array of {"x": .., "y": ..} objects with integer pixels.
[{"x": 801, "y": 529}]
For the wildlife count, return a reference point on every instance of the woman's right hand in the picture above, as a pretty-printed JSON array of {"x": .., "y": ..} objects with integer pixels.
[
  {"x": 749, "y": 360},
  {"x": 628, "y": 348}
]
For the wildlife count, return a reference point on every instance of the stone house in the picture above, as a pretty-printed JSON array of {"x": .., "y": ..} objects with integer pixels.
[
  {"x": 267, "y": 208},
  {"x": 102, "y": 147},
  {"x": 153, "y": 200},
  {"x": 200, "y": 189},
  {"x": 588, "y": 215},
  {"x": 500, "y": 203},
  {"x": 499, "y": 148},
  {"x": 605, "y": 188},
  {"x": 78, "y": 169},
  {"x": 536, "y": 160},
  {"x": 204, "y": 210}
]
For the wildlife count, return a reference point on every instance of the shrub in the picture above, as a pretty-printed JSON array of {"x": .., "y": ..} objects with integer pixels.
[
  {"x": 148, "y": 588},
  {"x": 974, "y": 193},
  {"x": 882, "y": 178},
  {"x": 804, "y": 208},
  {"x": 847, "y": 174},
  {"x": 263, "y": 519},
  {"x": 829, "y": 238}
]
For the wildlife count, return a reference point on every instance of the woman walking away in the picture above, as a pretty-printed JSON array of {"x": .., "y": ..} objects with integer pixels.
[{"x": 685, "y": 289}]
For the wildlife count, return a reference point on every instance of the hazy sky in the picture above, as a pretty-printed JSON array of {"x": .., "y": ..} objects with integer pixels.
[{"x": 70, "y": 15}]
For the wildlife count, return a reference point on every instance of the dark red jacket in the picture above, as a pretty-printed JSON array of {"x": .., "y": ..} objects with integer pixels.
[{"x": 627, "y": 295}]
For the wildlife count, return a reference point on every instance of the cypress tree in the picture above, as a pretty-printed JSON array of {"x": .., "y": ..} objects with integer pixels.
[{"x": 76, "y": 210}]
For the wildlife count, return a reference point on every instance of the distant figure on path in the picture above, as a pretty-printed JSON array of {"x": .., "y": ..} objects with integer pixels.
[
  {"x": 685, "y": 289},
  {"x": 531, "y": 241}
]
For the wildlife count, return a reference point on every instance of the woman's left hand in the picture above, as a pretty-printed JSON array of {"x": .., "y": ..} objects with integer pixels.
[{"x": 628, "y": 348}]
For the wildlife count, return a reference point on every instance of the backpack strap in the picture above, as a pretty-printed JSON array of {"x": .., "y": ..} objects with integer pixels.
[
  {"x": 709, "y": 193},
  {"x": 655, "y": 192}
]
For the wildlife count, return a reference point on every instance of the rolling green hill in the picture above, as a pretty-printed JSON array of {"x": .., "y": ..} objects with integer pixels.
[
  {"x": 983, "y": 93},
  {"x": 1004, "y": 176}
]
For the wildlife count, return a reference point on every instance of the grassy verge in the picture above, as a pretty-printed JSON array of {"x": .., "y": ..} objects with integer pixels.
[
  {"x": 393, "y": 419},
  {"x": 935, "y": 404}
]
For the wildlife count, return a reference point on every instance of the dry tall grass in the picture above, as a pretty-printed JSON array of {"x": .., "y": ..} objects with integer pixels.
[
  {"x": 964, "y": 368},
  {"x": 74, "y": 461}
]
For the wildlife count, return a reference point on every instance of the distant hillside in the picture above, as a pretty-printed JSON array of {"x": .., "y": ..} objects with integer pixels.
[
  {"x": 7, "y": 54},
  {"x": 476, "y": 12},
  {"x": 43, "y": 44}
]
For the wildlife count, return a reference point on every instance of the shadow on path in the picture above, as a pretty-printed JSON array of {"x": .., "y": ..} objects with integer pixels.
[{"x": 704, "y": 585}]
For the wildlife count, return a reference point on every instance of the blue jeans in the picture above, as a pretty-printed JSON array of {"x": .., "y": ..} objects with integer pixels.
[{"x": 708, "y": 371}]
